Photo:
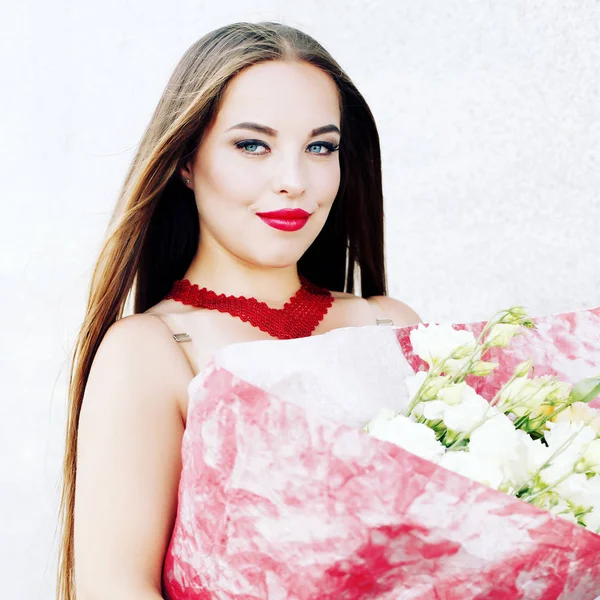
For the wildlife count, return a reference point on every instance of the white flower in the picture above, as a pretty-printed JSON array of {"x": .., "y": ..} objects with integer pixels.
[
  {"x": 432, "y": 410},
  {"x": 579, "y": 412},
  {"x": 511, "y": 391},
  {"x": 511, "y": 450},
  {"x": 495, "y": 440},
  {"x": 568, "y": 441},
  {"x": 592, "y": 520},
  {"x": 472, "y": 466},
  {"x": 465, "y": 416},
  {"x": 591, "y": 456},
  {"x": 384, "y": 414},
  {"x": 563, "y": 510},
  {"x": 529, "y": 396},
  {"x": 453, "y": 393},
  {"x": 415, "y": 382},
  {"x": 461, "y": 413},
  {"x": 532, "y": 456},
  {"x": 414, "y": 437},
  {"x": 593, "y": 484},
  {"x": 559, "y": 390},
  {"x": 575, "y": 490},
  {"x": 448, "y": 395},
  {"x": 582, "y": 496},
  {"x": 561, "y": 433},
  {"x": 433, "y": 343}
]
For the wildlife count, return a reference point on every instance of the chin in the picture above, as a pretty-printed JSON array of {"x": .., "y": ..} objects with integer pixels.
[
  {"x": 280, "y": 254},
  {"x": 277, "y": 261},
  {"x": 280, "y": 264}
]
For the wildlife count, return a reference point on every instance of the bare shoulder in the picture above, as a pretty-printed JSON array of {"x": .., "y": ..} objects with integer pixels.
[
  {"x": 356, "y": 310},
  {"x": 344, "y": 295},
  {"x": 128, "y": 467},
  {"x": 143, "y": 332},
  {"x": 401, "y": 314},
  {"x": 141, "y": 346}
]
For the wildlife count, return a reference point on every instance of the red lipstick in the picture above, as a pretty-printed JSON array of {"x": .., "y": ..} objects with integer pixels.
[{"x": 288, "y": 219}]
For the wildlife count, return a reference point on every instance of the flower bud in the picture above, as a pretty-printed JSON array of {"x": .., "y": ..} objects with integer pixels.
[
  {"x": 501, "y": 334},
  {"x": 433, "y": 386},
  {"x": 523, "y": 368},
  {"x": 560, "y": 391},
  {"x": 462, "y": 351},
  {"x": 451, "y": 394},
  {"x": 482, "y": 368},
  {"x": 515, "y": 315}
]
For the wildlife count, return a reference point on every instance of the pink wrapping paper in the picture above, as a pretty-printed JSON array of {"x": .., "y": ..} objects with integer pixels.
[
  {"x": 278, "y": 500},
  {"x": 565, "y": 345}
]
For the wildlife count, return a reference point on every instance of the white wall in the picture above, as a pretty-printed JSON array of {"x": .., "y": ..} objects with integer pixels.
[{"x": 490, "y": 126}]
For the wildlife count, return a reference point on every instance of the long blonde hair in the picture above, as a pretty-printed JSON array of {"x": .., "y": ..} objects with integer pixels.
[{"x": 154, "y": 231}]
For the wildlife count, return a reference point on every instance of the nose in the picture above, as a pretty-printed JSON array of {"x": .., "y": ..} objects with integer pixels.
[{"x": 289, "y": 178}]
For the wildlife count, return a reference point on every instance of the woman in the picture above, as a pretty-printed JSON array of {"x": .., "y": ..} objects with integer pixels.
[{"x": 258, "y": 177}]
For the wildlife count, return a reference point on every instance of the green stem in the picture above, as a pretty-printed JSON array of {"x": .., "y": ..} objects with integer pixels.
[
  {"x": 556, "y": 412},
  {"x": 548, "y": 462},
  {"x": 494, "y": 400},
  {"x": 545, "y": 490},
  {"x": 433, "y": 372}
]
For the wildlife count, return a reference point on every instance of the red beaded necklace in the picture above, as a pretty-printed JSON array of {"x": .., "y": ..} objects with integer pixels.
[{"x": 298, "y": 318}]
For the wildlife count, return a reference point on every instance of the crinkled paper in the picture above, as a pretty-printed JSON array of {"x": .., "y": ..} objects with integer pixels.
[{"x": 283, "y": 497}]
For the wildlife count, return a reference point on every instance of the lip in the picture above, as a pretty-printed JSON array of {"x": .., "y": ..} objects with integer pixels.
[{"x": 287, "y": 219}]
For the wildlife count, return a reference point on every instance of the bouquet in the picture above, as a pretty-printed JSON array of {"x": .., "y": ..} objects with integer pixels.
[
  {"x": 284, "y": 496},
  {"x": 536, "y": 439}
]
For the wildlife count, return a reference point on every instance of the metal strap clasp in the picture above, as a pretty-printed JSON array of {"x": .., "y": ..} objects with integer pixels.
[
  {"x": 182, "y": 337},
  {"x": 384, "y": 321}
]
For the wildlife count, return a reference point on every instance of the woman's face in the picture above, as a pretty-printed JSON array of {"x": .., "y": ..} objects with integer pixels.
[{"x": 241, "y": 172}]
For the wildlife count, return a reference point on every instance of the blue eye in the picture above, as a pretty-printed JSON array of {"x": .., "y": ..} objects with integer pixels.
[
  {"x": 244, "y": 145},
  {"x": 330, "y": 148},
  {"x": 247, "y": 147}
]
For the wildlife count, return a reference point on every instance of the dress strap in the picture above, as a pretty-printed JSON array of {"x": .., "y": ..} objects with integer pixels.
[
  {"x": 379, "y": 315},
  {"x": 178, "y": 333}
]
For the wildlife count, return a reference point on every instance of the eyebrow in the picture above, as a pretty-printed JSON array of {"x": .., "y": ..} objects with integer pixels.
[{"x": 273, "y": 132}]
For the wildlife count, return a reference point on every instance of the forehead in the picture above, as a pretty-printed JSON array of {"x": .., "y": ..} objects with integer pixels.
[{"x": 277, "y": 93}]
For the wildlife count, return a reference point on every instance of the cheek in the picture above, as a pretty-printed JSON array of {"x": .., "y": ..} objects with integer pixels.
[
  {"x": 232, "y": 180},
  {"x": 328, "y": 183}
]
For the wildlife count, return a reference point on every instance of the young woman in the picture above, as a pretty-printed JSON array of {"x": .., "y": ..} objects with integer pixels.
[{"x": 252, "y": 205}]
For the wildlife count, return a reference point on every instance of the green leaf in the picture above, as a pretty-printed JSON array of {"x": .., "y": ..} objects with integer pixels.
[{"x": 585, "y": 390}]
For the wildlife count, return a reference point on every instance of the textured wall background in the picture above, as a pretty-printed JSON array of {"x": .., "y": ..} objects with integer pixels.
[{"x": 489, "y": 117}]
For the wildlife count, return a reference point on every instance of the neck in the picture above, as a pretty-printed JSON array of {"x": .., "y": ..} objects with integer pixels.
[{"x": 233, "y": 277}]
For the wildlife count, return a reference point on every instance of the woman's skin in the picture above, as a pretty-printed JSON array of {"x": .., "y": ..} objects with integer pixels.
[
  {"x": 239, "y": 253},
  {"x": 237, "y": 173},
  {"x": 135, "y": 403}
]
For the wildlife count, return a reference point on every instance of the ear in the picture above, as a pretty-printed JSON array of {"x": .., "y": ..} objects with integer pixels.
[{"x": 184, "y": 172}]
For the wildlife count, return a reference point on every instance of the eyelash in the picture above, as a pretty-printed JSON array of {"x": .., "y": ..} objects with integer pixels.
[{"x": 242, "y": 144}]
